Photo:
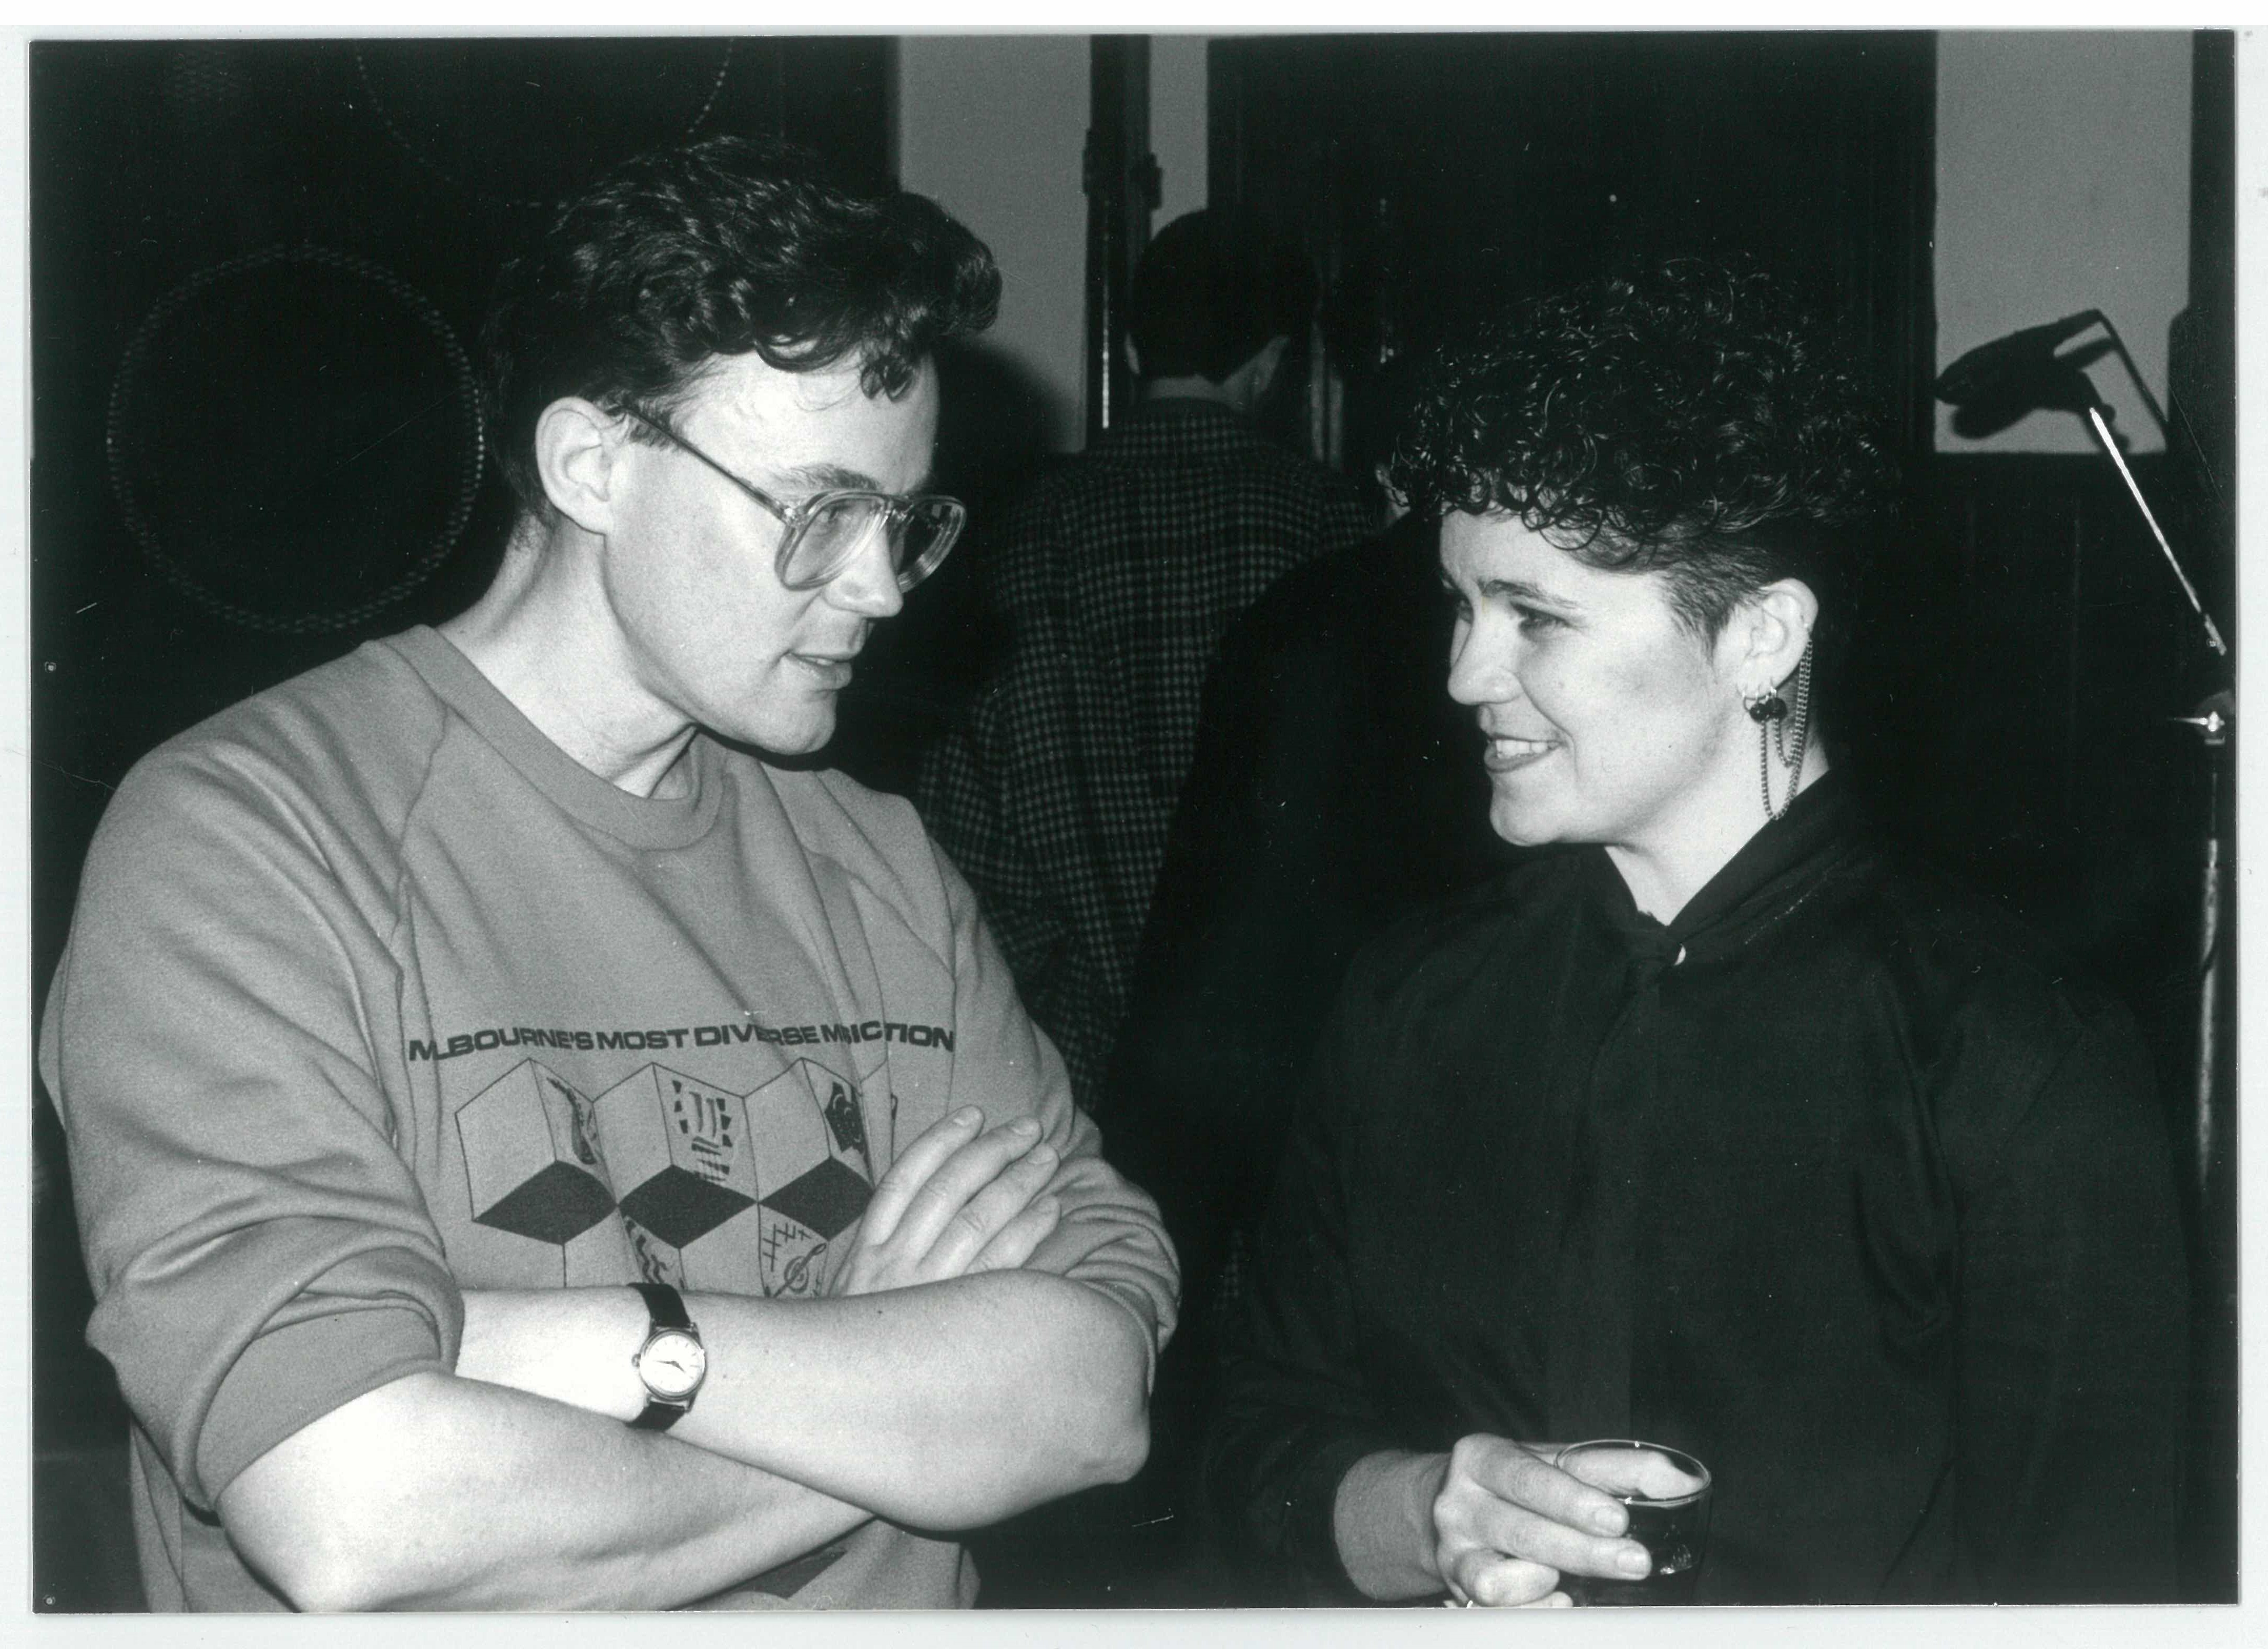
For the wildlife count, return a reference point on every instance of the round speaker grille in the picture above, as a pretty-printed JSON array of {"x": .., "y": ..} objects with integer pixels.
[{"x": 295, "y": 438}]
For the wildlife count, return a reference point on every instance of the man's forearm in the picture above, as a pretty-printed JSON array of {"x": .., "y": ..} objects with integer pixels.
[
  {"x": 450, "y": 1493},
  {"x": 945, "y": 1406}
]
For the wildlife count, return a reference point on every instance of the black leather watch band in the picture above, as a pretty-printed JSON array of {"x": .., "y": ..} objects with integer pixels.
[
  {"x": 668, "y": 1319},
  {"x": 665, "y": 1306}
]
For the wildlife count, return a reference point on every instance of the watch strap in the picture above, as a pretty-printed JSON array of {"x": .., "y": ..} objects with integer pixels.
[{"x": 665, "y": 1306}]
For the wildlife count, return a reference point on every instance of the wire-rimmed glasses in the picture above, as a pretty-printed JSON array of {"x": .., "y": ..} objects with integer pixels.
[{"x": 822, "y": 534}]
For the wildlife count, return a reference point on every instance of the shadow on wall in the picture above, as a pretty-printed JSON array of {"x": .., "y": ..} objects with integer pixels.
[{"x": 923, "y": 667}]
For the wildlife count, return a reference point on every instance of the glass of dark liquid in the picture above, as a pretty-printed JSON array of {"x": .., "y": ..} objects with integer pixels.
[{"x": 1666, "y": 1492}]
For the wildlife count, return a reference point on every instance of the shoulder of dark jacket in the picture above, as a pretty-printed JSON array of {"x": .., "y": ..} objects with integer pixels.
[
  {"x": 1983, "y": 955},
  {"x": 1345, "y": 595},
  {"x": 1466, "y": 921}
]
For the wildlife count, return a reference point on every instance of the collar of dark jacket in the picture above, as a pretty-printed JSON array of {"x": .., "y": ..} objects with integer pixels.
[{"x": 1775, "y": 870}]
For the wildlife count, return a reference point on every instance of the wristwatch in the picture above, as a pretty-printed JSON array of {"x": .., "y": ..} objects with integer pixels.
[{"x": 672, "y": 1362}]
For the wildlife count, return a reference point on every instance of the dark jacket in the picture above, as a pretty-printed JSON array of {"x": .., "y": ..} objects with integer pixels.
[
  {"x": 1840, "y": 1182},
  {"x": 1337, "y": 789}
]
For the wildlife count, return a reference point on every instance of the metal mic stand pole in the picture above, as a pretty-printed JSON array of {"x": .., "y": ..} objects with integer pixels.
[
  {"x": 2216, "y": 724},
  {"x": 2215, "y": 721},
  {"x": 2103, "y": 436}
]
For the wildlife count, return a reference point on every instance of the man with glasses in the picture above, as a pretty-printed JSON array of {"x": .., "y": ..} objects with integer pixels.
[{"x": 532, "y": 1150}]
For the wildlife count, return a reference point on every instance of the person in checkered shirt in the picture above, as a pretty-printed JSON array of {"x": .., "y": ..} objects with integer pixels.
[{"x": 1118, "y": 575}]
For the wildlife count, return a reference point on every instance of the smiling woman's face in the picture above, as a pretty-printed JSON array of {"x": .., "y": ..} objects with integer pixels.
[{"x": 1608, "y": 720}]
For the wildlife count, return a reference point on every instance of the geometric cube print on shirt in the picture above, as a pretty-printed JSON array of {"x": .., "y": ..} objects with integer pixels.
[
  {"x": 814, "y": 1169},
  {"x": 689, "y": 1183},
  {"x": 531, "y": 1166}
]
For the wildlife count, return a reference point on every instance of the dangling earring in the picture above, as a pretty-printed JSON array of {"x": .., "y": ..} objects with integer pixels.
[{"x": 1769, "y": 710}]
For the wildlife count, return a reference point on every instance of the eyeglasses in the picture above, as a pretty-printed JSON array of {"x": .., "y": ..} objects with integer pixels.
[{"x": 824, "y": 531}]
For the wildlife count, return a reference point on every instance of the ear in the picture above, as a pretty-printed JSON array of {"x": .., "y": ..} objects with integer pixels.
[
  {"x": 1764, "y": 640},
  {"x": 578, "y": 458}
]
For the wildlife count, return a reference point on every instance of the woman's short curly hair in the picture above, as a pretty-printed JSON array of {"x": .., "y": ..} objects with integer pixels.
[
  {"x": 719, "y": 248},
  {"x": 1684, "y": 419}
]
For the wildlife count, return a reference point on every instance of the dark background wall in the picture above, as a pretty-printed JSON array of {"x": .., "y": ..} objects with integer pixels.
[{"x": 1440, "y": 174}]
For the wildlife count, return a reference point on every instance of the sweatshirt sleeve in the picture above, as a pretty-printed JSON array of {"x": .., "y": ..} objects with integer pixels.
[
  {"x": 1295, "y": 1411},
  {"x": 2074, "y": 1335},
  {"x": 259, "y": 1250},
  {"x": 1110, "y": 1236}
]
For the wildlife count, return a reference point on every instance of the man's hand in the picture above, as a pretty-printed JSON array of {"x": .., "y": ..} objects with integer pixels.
[
  {"x": 1506, "y": 1523},
  {"x": 958, "y": 1201}
]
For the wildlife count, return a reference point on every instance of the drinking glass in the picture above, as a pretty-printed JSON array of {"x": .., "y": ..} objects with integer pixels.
[{"x": 1669, "y": 1516}]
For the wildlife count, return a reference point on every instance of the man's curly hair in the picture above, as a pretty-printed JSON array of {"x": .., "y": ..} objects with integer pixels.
[
  {"x": 715, "y": 249},
  {"x": 1684, "y": 419}
]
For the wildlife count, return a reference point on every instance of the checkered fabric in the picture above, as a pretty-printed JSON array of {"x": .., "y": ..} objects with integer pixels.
[{"x": 1118, "y": 575}]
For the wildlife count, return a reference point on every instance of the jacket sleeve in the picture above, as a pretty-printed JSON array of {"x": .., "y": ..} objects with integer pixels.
[
  {"x": 2074, "y": 1338},
  {"x": 259, "y": 1249},
  {"x": 995, "y": 775},
  {"x": 961, "y": 785},
  {"x": 1239, "y": 954},
  {"x": 1110, "y": 1236},
  {"x": 1295, "y": 1411}
]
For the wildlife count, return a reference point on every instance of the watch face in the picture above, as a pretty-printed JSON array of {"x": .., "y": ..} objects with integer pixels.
[{"x": 673, "y": 1364}]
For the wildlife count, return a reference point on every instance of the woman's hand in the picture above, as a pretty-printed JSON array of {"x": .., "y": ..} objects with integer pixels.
[
  {"x": 958, "y": 1201},
  {"x": 1506, "y": 1524}
]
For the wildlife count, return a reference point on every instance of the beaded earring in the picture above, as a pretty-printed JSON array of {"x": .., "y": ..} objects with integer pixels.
[{"x": 1770, "y": 713}]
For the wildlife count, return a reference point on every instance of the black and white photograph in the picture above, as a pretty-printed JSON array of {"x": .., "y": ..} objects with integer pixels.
[{"x": 1395, "y": 820}]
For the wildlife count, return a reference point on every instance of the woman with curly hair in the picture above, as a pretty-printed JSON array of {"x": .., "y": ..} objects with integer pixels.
[{"x": 1721, "y": 1126}]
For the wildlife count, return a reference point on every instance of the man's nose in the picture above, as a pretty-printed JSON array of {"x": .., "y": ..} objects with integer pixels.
[{"x": 868, "y": 582}]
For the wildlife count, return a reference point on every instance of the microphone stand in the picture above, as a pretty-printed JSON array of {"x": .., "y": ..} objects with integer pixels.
[
  {"x": 2215, "y": 723},
  {"x": 2103, "y": 436},
  {"x": 2023, "y": 372}
]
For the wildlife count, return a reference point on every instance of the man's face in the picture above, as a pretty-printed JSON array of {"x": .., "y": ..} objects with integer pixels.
[{"x": 690, "y": 573}]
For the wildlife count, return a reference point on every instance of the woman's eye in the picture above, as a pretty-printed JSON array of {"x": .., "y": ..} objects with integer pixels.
[{"x": 1533, "y": 618}]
